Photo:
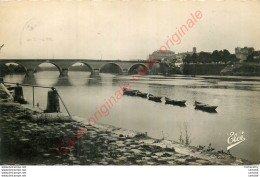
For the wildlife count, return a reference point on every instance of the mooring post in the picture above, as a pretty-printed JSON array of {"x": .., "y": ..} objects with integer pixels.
[
  {"x": 18, "y": 93},
  {"x": 53, "y": 104}
]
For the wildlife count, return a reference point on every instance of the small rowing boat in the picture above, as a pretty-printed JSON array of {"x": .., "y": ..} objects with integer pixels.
[
  {"x": 130, "y": 92},
  {"x": 140, "y": 94},
  {"x": 175, "y": 102},
  {"x": 154, "y": 98},
  {"x": 205, "y": 107}
]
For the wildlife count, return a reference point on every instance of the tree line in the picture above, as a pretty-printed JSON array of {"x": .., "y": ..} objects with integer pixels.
[
  {"x": 216, "y": 56},
  {"x": 11, "y": 69}
]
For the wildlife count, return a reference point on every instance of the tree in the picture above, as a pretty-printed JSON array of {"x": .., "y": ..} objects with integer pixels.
[
  {"x": 204, "y": 57},
  {"x": 11, "y": 68},
  {"x": 225, "y": 55},
  {"x": 3, "y": 69},
  {"x": 233, "y": 58},
  {"x": 187, "y": 59},
  {"x": 252, "y": 56},
  {"x": 221, "y": 56},
  {"x": 194, "y": 58},
  {"x": 215, "y": 56}
]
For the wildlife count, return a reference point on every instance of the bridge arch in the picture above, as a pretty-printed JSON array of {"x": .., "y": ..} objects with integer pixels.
[
  {"x": 136, "y": 66},
  {"x": 53, "y": 63},
  {"x": 17, "y": 63},
  {"x": 86, "y": 64},
  {"x": 117, "y": 68},
  {"x": 160, "y": 68}
]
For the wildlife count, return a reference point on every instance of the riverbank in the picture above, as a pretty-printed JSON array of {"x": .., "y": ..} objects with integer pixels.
[
  {"x": 26, "y": 140},
  {"x": 238, "y": 69},
  {"x": 202, "y": 68},
  {"x": 242, "y": 69}
]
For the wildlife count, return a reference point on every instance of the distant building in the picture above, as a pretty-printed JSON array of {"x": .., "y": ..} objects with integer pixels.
[
  {"x": 164, "y": 56},
  {"x": 172, "y": 57},
  {"x": 181, "y": 56},
  {"x": 242, "y": 53}
]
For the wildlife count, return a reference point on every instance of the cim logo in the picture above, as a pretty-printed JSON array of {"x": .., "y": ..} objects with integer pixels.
[{"x": 234, "y": 139}]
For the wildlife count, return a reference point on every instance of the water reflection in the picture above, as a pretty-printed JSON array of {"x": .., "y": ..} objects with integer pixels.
[
  {"x": 52, "y": 78},
  {"x": 47, "y": 78},
  {"x": 94, "y": 80},
  {"x": 79, "y": 78},
  {"x": 31, "y": 80},
  {"x": 14, "y": 78},
  {"x": 63, "y": 82}
]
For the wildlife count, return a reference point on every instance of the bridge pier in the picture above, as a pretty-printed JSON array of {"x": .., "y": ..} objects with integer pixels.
[
  {"x": 125, "y": 72},
  {"x": 64, "y": 72},
  {"x": 95, "y": 72},
  {"x": 29, "y": 72}
]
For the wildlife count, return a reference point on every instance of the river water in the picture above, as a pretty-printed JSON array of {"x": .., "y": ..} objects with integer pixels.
[{"x": 237, "y": 98}]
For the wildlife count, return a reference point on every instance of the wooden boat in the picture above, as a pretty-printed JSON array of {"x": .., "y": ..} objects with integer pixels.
[
  {"x": 205, "y": 107},
  {"x": 133, "y": 92},
  {"x": 154, "y": 98},
  {"x": 127, "y": 92},
  {"x": 140, "y": 94},
  {"x": 175, "y": 102},
  {"x": 130, "y": 92}
]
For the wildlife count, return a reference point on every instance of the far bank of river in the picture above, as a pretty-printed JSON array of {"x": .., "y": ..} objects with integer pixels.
[{"x": 238, "y": 69}]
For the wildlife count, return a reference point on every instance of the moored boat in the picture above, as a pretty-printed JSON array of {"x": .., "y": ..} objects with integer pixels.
[
  {"x": 130, "y": 92},
  {"x": 205, "y": 107},
  {"x": 126, "y": 92},
  {"x": 175, "y": 102},
  {"x": 140, "y": 94},
  {"x": 154, "y": 98}
]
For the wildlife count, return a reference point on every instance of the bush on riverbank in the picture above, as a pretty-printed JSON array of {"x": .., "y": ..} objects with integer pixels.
[{"x": 246, "y": 70}]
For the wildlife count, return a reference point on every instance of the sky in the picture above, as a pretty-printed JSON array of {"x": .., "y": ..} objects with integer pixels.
[{"x": 122, "y": 29}]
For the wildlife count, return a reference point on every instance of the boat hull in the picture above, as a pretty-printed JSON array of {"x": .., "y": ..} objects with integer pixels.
[
  {"x": 142, "y": 95},
  {"x": 130, "y": 92},
  {"x": 156, "y": 99},
  {"x": 205, "y": 107},
  {"x": 173, "y": 102}
]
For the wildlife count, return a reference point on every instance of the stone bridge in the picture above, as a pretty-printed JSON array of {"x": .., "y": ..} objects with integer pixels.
[{"x": 63, "y": 65}]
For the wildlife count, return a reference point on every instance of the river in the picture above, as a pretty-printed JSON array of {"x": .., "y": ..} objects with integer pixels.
[{"x": 237, "y": 98}]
